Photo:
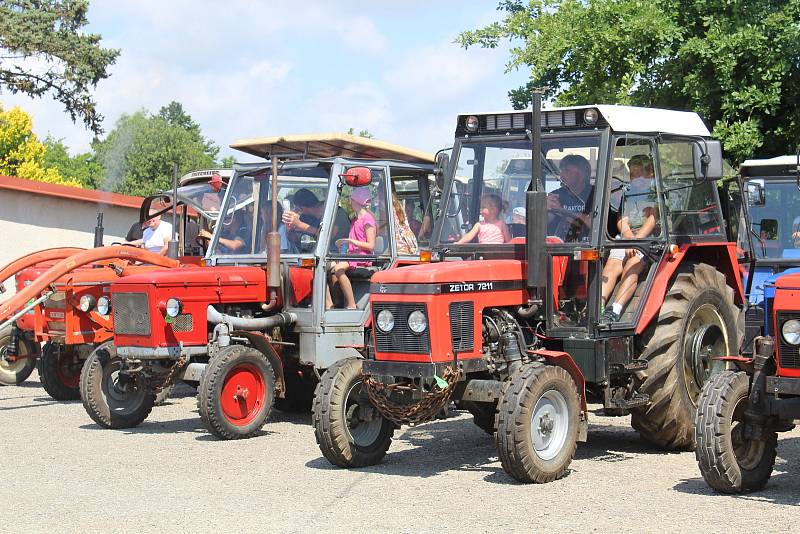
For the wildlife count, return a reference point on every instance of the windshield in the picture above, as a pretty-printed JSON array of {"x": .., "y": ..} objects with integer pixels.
[
  {"x": 486, "y": 203},
  {"x": 247, "y": 212},
  {"x": 776, "y": 224}
]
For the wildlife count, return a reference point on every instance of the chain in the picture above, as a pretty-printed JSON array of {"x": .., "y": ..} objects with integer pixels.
[
  {"x": 421, "y": 411},
  {"x": 171, "y": 375}
]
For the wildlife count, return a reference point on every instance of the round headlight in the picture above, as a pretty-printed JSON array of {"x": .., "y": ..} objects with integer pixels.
[
  {"x": 385, "y": 321},
  {"x": 791, "y": 332},
  {"x": 471, "y": 124},
  {"x": 103, "y": 305},
  {"x": 590, "y": 116},
  {"x": 417, "y": 322},
  {"x": 86, "y": 303},
  {"x": 174, "y": 307}
]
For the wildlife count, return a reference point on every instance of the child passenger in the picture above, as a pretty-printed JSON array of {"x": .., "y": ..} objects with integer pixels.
[
  {"x": 361, "y": 241},
  {"x": 490, "y": 229}
]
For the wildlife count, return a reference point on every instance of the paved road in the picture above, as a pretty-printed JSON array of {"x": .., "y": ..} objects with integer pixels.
[{"x": 65, "y": 474}]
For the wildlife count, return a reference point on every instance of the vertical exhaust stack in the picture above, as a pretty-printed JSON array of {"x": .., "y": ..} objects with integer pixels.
[
  {"x": 273, "y": 237},
  {"x": 172, "y": 246},
  {"x": 98, "y": 231},
  {"x": 536, "y": 210}
]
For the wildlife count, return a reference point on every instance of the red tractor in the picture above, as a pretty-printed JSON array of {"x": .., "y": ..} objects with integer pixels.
[
  {"x": 741, "y": 411},
  {"x": 254, "y": 327},
  {"x": 611, "y": 276},
  {"x": 70, "y": 313}
]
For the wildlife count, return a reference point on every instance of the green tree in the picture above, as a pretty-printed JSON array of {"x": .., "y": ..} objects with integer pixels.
[
  {"x": 67, "y": 62},
  {"x": 82, "y": 168},
  {"x": 21, "y": 152},
  {"x": 138, "y": 155},
  {"x": 735, "y": 62},
  {"x": 361, "y": 133}
]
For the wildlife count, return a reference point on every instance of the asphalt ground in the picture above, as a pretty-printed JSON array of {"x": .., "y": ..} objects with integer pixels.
[{"x": 63, "y": 473}]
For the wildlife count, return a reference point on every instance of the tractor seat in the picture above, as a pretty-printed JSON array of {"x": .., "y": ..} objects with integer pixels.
[{"x": 361, "y": 273}]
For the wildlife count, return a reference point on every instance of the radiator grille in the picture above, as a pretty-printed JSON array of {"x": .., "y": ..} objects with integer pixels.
[
  {"x": 788, "y": 355},
  {"x": 401, "y": 338},
  {"x": 182, "y": 323},
  {"x": 462, "y": 331},
  {"x": 131, "y": 314}
]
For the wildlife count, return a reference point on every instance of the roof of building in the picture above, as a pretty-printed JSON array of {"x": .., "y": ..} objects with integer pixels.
[
  {"x": 329, "y": 145},
  {"x": 73, "y": 193}
]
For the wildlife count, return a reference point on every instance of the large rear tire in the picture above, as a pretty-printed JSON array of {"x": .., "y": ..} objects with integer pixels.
[
  {"x": 60, "y": 371},
  {"x": 16, "y": 372},
  {"x": 236, "y": 392},
  {"x": 350, "y": 431},
  {"x": 537, "y": 423},
  {"x": 729, "y": 462},
  {"x": 697, "y": 322},
  {"x": 111, "y": 400}
]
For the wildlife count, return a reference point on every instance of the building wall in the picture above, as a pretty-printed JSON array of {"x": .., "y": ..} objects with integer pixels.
[{"x": 30, "y": 222}]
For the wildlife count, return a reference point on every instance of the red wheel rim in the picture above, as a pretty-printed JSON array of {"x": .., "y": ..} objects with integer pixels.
[
  {"x": 68, "y": 369},
  {"x": 243, "y": 392}
]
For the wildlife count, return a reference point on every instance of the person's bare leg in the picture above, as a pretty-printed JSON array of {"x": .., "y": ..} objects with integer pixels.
[
  {"x": 630, "y": 279},
  {"x": 336, "y": 270},
  {"x": 611, "y": 273},
  {"x": 347, "y": 290}
]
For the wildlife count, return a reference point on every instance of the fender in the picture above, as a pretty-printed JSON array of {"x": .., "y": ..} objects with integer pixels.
[
  {"x": 71, "y": 263},
  {"x": 565, "y": 361},
  {"x": 29, "y": 260},
  {"x": 686, "y": 253},
  {"x": 262, "y": 343}
]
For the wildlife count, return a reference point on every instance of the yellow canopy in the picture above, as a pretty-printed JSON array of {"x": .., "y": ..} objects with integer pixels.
[{"x": 328, "y": 145}]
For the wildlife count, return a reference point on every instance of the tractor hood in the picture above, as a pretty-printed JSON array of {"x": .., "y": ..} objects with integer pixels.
[
  {"x": 446, "y": 272},
  {"x": 200, "y": 276},
  {"x": 789, "y": 280}
]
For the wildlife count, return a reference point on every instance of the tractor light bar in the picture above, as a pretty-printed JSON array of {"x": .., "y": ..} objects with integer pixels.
[{"x": 519, "y": 122}]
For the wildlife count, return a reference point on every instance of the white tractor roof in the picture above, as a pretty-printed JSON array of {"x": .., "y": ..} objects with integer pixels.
[
  {"x": 329, "y": 145},
  {"x": 771, "y": 162},
  {"x": 650, "y": 120}
]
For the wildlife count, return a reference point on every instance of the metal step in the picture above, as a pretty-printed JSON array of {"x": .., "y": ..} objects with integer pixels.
[{"x": 639, "y": 399}]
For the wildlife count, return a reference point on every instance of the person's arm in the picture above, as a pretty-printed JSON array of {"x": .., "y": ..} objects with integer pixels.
[
  {"x": 293, "y": 222},
  {"x": 136, "y": 243},
  {"x": 506, "y": 233},
  {"x": 369, "y": 244},
  {"x": 624, "y": 228},
  {"x": 469, "y": 236},
  {"x": 647, "y": 228}
]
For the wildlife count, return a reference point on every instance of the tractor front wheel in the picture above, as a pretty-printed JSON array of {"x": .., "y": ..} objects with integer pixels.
[
  {"x": 730, "y": 462},
  {"x": 350, "y": 431},
  {"x": 697, "y": 322},
  {"x": 15, "y": 372},
  {"x": 60, "y": 371},
  {"x": 236, "y": 392},
  {"x": 112, "y": 398},
  {"x": 537, "y": 423}
]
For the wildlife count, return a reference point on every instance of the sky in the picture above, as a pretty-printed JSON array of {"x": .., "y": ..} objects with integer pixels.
[{"x": 249, "y": 68}]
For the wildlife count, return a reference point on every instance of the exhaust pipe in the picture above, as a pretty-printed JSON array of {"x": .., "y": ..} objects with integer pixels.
[{"x": 214, "y": 316}]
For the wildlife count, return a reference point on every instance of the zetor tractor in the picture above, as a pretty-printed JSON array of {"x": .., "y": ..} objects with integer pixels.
[
  {"x": 516, "y": 332},
  {"x": 253, "y": 326},
  {"x": 71, "y": 312},
  {"x": 741, "y": 411}
]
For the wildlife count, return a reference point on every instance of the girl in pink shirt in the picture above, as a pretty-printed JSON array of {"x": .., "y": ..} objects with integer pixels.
[
  {"x": 361, "y": 241},
  {"x": 492, "y": 229}
]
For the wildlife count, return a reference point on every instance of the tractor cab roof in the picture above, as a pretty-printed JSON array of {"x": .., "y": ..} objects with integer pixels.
[
  {"x": 204, "y": 175},
  {"x": 622, "y": 119},
  {"x": 329, "y": 145},
  {"x": 780, "y": 166}
]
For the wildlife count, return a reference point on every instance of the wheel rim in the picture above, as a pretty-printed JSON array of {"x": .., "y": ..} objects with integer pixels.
[
  {"x": 68, "y": 368},
  {"x": 243, "y": 394},
  {"x": 19, "y": 364},
  {"x": 549, "y": 424},
  {"x": 363, "y": 424},
  {"x": 123, "y": 395},
  {"x": 705, "y": 339},
  {"x": 748, "y": 452}
]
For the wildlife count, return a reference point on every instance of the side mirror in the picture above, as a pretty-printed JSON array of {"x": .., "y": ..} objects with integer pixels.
[
  {"x": 755, "y": 194},
  {"x": 707, "y": 156},
  {"x": 439, "y": 168},
  {"x": 769, "y": 229},
  {"x": 356, "y": 176}
]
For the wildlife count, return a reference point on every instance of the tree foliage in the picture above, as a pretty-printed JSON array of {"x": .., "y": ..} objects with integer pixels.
[
  {"x": 736, "y": 62},
  {"x": 21, "y": 153},
  {"x": 43, "y": 49},
  {"x": 82, "y": 168},
  {"x": 138, "y": 155}
]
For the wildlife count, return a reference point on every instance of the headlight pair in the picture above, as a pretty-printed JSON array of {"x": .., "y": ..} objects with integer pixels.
[
  {"x": 88, "y": 303},
  {"x": 417, "y": 321},
  {"x": 791, "y": 331}
]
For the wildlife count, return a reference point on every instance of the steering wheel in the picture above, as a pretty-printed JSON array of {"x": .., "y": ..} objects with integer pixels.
[{"x": 570, "y": 225}]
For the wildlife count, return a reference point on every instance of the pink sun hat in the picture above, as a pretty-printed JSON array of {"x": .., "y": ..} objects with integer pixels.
[{"x": 361, "y": 195}]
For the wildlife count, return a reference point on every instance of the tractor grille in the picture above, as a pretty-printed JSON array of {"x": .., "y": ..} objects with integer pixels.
[
  {"x": 788, "y": 355},
  {"x": 182, "y": 323},
  {"x": 401, "y": 338},
  {"x": 131, "y": 314},
  {"x": 462, "y": 331}
]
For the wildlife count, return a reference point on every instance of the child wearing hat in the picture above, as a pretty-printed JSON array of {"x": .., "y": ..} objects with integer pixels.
[{"x": 361, "y": 241}]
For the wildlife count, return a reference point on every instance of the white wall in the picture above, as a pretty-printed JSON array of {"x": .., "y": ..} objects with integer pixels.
[{"x": 31, "y": 222}]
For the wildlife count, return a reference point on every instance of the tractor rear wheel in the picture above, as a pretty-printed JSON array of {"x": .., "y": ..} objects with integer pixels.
[
  {"x": 697, "y": 322},
  {"x": 60, "y": 371},
  {"x": 483, "y": 414},
  {"x": 537, "y": 423},
  {"x": 236, "y": 392},
  {"x": 729, "y": 462},
  {"x": 113, "y": 399},
  {"x": 16, "y": 372},
  {"x": 350, "y": 431}
]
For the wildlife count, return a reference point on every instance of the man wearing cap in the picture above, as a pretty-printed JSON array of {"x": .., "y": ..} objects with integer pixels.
[{"x": 308, "y": 217}]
